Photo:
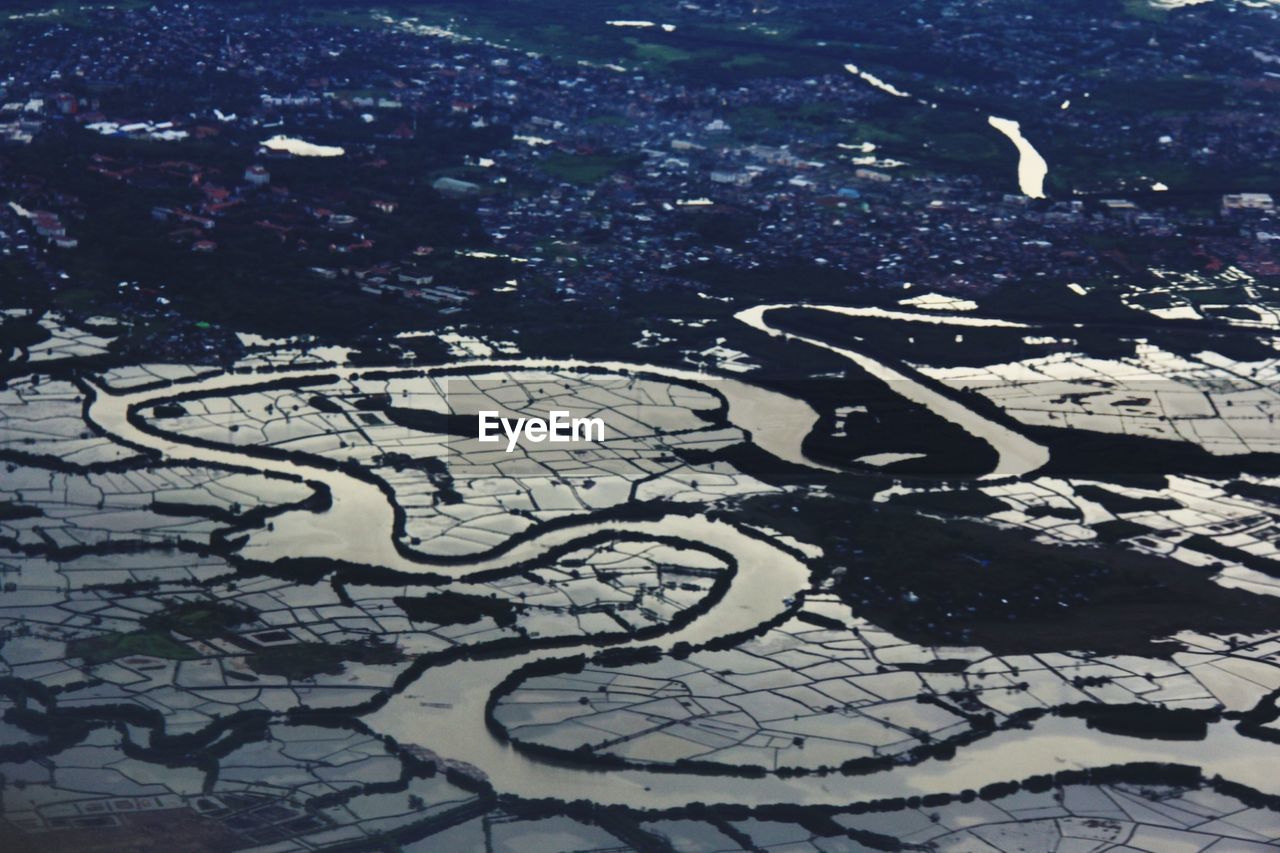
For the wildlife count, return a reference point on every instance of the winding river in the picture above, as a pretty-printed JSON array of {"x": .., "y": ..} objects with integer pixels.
[
  {"x": 443, "y": 710},
  {"x": 359, "y": 527}
]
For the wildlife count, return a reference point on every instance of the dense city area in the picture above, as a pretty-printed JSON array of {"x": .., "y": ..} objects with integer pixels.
[{"x": 464, "y": 180}]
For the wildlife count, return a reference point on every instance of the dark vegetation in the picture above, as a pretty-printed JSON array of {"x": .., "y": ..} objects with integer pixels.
[
  {"x": 201, "y": 620},
  {"x": 963, "y": 583},
  {"x": 453, "y": 608},
  {"x": 301, "y": 661},
  {"x": 961, "y": 502},
  {"x": 890, "y": 422}
]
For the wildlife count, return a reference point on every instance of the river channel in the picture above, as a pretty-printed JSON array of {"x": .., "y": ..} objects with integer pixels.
[{"x": 443, "y": 710}]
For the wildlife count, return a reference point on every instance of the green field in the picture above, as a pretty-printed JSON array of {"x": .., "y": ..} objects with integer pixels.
[
  {"x": 108, "y": 647},
  {"x": 653, "y": 51},
  {"x": 584, "y": 168}
]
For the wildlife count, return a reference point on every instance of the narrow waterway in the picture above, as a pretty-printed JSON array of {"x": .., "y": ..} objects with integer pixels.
[{"x": 1017, "y": 455}]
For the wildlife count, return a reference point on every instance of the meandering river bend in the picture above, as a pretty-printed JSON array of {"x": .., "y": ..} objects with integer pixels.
[{"x": 444, "y": 709}]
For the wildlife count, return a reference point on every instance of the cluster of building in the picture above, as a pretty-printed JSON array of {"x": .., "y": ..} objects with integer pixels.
[{"x": 584, "y": 180}]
